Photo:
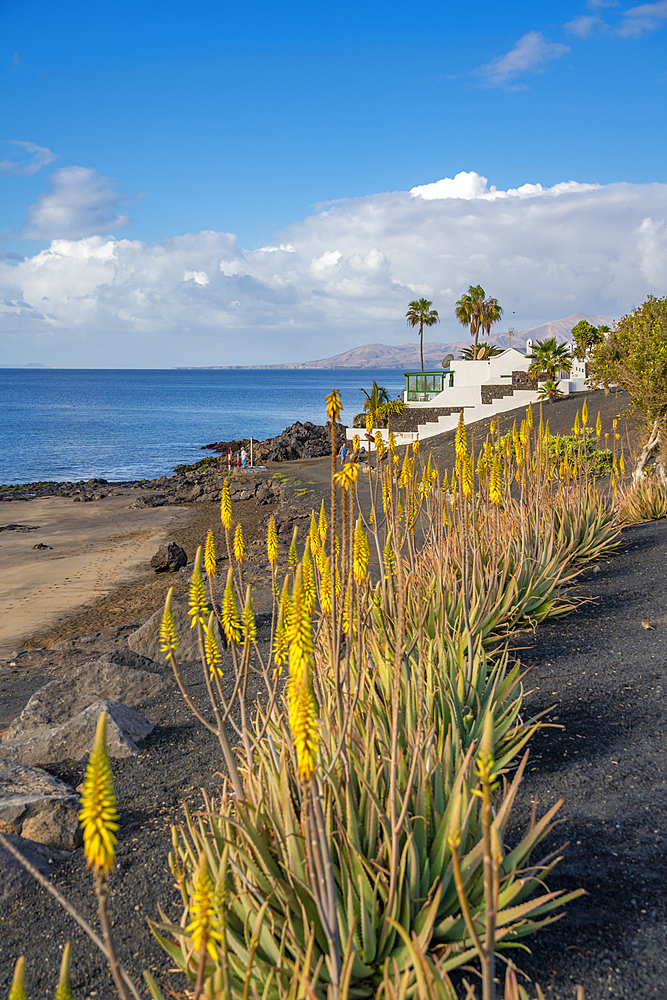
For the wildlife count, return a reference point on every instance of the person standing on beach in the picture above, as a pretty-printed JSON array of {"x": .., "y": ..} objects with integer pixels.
[
  {"x": 229, "y": 459},
  {"x": 244, "y": 456},
  {"x": 342, "y": 454}
]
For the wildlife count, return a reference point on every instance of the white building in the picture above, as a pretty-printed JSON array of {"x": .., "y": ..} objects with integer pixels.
[{"x": 478, "y": 388}]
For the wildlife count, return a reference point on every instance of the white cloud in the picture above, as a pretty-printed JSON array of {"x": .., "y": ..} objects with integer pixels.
[
  {"x": 586, "y": 26},
  {"x": 79, "y": 203},
  {"x": 28, "y": 160},
  {"x": 531, "y": 53},
  {"x": 643, "y": 19},
  {"x": 470, "y": 186},
  {"x": 340, "y": 277}
]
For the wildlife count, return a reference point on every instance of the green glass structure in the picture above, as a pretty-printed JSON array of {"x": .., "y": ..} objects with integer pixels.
[{"x": 422, "y": 386}]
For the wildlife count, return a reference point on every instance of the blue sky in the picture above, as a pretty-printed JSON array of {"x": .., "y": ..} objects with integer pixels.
[{"x": 251, "y": 118}]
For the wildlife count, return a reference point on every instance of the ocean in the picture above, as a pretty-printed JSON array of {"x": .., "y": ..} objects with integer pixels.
[{"x": 78, "y": 424}]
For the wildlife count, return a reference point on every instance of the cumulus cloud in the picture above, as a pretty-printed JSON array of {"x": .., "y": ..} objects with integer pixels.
[
  {"x": 530, "y": 54},
  {"x": 79, "y": 203},
  {"x": 469, "y": 186},
  {"x": 342, "y": 276},
  {"x": 27, "y": 160}
]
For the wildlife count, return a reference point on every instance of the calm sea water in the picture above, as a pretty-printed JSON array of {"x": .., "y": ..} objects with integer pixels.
[{"x": 60, "y": 424}]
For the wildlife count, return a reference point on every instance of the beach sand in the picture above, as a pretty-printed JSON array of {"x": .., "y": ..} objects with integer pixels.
[{"x": 94, "y": 547}]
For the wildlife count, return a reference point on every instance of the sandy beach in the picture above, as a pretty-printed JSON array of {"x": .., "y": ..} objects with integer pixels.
[{"x": 93, "y": 547}]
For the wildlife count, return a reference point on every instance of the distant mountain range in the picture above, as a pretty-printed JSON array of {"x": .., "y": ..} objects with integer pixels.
[
  {"x": 32, "y": 364},
  {"x": 407, "y": 355}
]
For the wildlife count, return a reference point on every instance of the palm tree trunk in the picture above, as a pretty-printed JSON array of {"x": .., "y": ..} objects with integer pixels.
[{"x": 421, "y": 342}]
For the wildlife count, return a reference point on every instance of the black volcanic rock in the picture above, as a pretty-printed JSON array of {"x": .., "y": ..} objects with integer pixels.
[{"x": 299, "y": 441}]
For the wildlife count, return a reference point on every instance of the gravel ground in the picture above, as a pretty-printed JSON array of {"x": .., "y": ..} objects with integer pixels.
[{"x": 604, "y": 674}]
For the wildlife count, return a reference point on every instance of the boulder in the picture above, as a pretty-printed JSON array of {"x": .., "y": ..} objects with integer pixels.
[
  {"x": 62, "y": 699},
  {"x": 299, "y": 441},
  {"x": 146, "y": 640},
  {"x": 38, "y": 806},
  {"x": 74, "y": 738},
  {"x": 169, "y": 558},
  {"x": 14, "y": 878}
]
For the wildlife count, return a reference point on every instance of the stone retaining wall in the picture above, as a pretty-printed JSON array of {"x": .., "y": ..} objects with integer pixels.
[
  {"x": 491, "y": 392},
  {"x": 410, "y": 419}
]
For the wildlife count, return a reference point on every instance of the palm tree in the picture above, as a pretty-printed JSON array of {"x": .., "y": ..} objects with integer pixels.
[
  {"x": 374, "y": 400},
  {"x": 379, "y": 405},
  {"x": 490, "y": 313},
  {"x": 550, "y": 391},
  {"x": 468, "y": 311},
  {"x": 484, "y": 352},
  {"x": 549, "y": 357},
  {"x": 420, "y": 314}
]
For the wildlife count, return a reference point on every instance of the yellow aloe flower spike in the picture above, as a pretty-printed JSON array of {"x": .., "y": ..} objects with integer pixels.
[
  {"x": 356, "y": 443},
  {"x": 371, "y": 519},
  {"x": 299, "y": 631},
  {"x": 495, "y": 486},
  {"x": 615, "y": 423},
  {"x": 280, "y": 639},
  {"x": 309, "y": 587},
  {"x": 198, "y": 601},
  {"x": 226, "y": 506},
  {"x": 272, "y": 542},
  {"x": 467, "y": 481},
  {"x": 249, "y": 623},
  {"x": 239, "y": 544},
  {"x": 492, "y": 428},
  {"x": 461, "y": 440},
  {"x": 168, "y": 636},
  {"x": 204, "y": 927},
  {"x": 379, "y": 443},
  {"x": 369, "y": 422},
  {"x": 98, "y": 815},
  {"x": 209, "y": 554},
  {"x": 325, "y": 588},
  {"x": 211, "y": 648},
  {"x": 598, "y": 426},
  {"x": 392, "y": 442},
  {"x": 406, "y": 469},
  {"x": 415, "y": 447},
  {"x": 621, "y": 464},
  {"x": 230, "y": 611},
  {"x": 584, "y": 413},
  {"x": 303, "y": 709},
  {"x": 348, "y": 476},
  {"x": 293, "y": 555},
  {"x": 360, "y": 552},
  {"x": 576, "y": 427},
  {"x": 17, "y": 991},
  {"x": 529, "y": 415},
  {"x": 334, "y": 405},
  {"x": 322, "y": 523},
  {"x": 314, "y": 537},
  {"x": 64, "y": 991}
]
